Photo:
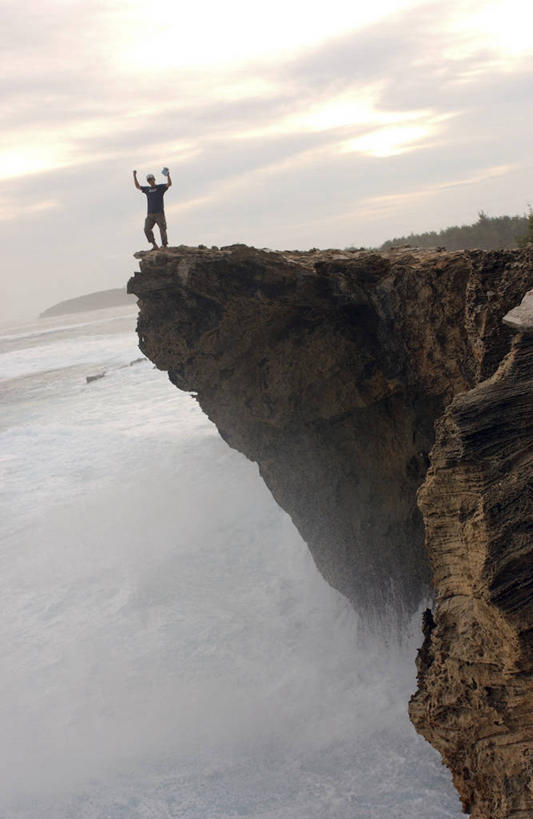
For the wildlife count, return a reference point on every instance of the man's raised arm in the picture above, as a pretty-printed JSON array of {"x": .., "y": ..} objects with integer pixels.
[
  {"x": 169, "y": 182},
  {"x": 136, "y": 181}
]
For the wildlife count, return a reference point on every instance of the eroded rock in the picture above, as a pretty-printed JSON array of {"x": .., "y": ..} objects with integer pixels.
[
  {"x": 475, "y": 683},
  {"x": 520, "y": 318}
]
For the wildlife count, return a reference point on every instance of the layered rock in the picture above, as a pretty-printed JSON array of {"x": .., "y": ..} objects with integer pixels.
[{"x": 475, "y": 697}]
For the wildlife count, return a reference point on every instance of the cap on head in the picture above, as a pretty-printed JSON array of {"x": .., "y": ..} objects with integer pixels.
[{"x": 150, "y": 176}]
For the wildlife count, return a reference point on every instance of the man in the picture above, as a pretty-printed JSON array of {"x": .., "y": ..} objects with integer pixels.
[{"x": 156, "y": 212}]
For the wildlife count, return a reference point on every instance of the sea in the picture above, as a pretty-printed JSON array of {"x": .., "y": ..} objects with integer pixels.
[{"x": 168, "y": 647}]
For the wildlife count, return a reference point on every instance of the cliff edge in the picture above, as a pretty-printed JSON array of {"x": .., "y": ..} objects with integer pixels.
[{"x": 330, "y": 370}]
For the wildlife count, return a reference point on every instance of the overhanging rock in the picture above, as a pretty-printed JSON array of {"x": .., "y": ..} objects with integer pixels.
[{"x": 329, "y": 369}]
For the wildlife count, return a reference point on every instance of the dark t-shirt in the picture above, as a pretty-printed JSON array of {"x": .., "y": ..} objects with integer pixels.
[{"x": 154, "y": 197}]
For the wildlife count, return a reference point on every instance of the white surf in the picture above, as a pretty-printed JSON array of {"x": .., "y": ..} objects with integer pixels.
[{"x": 169, "y": 648}]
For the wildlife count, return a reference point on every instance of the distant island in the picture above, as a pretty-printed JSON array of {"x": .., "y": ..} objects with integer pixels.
[{"x": 92, "y": 301}]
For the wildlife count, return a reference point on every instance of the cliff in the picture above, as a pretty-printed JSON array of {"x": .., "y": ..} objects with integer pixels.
[
  {"x": 330, "y": 370},
  {"x": 475, "y": 682}
]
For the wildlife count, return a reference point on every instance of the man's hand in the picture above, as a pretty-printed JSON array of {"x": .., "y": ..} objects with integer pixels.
[
  {"x": 135, "y": 180},
  {"x": 169, "y": 180}
]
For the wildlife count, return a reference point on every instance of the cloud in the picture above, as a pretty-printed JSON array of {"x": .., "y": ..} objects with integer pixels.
[
  {"x": 13, "y": 210},
  {"x": 398, "y": 200},
  {"x": 380, "y": 79}
]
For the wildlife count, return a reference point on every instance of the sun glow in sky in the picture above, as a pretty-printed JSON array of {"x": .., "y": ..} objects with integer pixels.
[
  {"x": 280, "y": 122},
  {"x": 389, "y": 141},
  {"x": 207, "y": 33},
  {"x": 506, "y": 26}
]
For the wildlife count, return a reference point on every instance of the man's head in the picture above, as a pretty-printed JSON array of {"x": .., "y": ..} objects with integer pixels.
[{"x": 151, "y": 179}]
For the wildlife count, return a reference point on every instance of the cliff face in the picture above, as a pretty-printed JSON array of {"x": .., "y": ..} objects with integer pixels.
[
  {"x": 330, "y": 369},
  {"x": 475, "y": 697}
]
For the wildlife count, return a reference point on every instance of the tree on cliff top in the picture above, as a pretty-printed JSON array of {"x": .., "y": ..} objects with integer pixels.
[
  {"x": 527, "y": 237},
  {"x": 488, "y": 233}
]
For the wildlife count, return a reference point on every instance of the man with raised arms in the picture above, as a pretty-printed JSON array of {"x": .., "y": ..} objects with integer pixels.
[{"x": 156, "y": 211}]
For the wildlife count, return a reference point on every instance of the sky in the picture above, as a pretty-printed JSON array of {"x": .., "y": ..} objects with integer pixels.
[{"x": 285, "y": 125}]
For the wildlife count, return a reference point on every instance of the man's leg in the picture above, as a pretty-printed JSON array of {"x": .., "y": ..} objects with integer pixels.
[
  {"x": 149, "y": 223},
  {"x": 162, "y": 224}
]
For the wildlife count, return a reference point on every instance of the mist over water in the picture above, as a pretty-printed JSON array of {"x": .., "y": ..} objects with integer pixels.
[{"x": 169, "y": 648}]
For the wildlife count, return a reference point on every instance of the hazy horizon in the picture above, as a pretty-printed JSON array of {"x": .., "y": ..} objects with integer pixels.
[{"x": 288, "y": 127}]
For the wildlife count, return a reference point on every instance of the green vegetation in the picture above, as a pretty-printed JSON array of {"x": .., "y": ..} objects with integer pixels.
[
  {"x": 527, "y": 237},
  {"x": 488, "y": 233}
]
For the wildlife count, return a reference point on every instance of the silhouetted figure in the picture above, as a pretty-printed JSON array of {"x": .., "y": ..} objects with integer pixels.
[{"x": 156, "y": 211}]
